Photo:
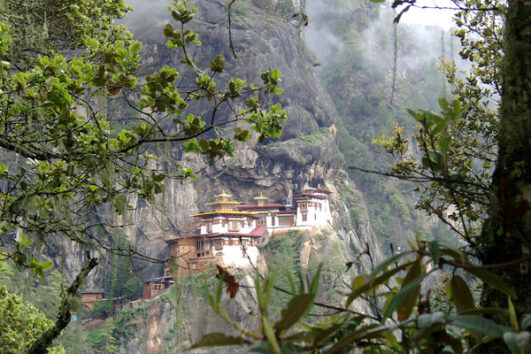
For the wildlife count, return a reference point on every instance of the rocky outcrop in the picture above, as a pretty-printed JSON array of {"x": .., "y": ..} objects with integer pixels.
[{"x": 306, "y": 155}]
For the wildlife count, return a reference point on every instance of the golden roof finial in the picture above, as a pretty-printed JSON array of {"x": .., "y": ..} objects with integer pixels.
[
  {"x": 223, "y": 195},
  {"x": 261, "y": 197}
]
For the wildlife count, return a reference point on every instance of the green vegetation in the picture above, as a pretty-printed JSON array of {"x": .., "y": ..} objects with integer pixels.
[
  {"x": 121, "y": 280},
  {"x": 63, "y": 156},
  {"x": 102, "y": 339},
  {"x": 21, "y": 323},
  {"x": 103, "y": 308},
  {"x": 491, "y": 216},
  {"x": 45, "y": 299},
  {"x": 319, "y": 135},
  {"x": 58, "y": 166},
  {"x": 284, "y": 253},
  {"x": 361, "y": 90}
]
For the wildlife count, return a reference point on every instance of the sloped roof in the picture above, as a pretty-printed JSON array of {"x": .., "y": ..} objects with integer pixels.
[
  {"x": 260, "y": 207},
  {"x": 311, "y": 195},
  {"x": 226, "y": 213},
  {"x": 256, "y": 232}
]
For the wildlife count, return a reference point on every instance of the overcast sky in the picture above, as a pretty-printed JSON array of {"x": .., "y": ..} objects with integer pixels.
[{"x": 438, "y": 17}]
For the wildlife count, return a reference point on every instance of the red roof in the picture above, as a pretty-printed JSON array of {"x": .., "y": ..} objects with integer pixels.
[
  {"x": 322, "y": 190},
  {"x": 256, "y": 232}
]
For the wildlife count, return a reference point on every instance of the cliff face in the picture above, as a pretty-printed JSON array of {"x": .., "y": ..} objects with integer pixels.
[{"x": 306, "y": 155}]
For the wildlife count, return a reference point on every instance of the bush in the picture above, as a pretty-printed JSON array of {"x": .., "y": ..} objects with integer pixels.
[
  {"x": 102, "y": 308},
  {"x": 132, "y": 289}
]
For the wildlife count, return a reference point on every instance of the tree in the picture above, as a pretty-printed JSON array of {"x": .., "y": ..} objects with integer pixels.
[
  {"x": 66, "y": 160},
  {"x": 21, "y": 323},
  {"x": 133, "y": 288},
  {"x": 63, "y": 156},
  {"x": 461, "y": 147},
  {"x": 501, "y": 243},
  {"x": 507, "y": 232}
]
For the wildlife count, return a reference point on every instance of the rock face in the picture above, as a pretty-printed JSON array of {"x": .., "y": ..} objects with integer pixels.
[{"x": 306, "y": 155}]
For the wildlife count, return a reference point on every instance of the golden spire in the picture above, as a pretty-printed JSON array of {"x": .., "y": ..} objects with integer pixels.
[
  {"x": 261, "y": 199},
  {"x": 223, "y": 196}
]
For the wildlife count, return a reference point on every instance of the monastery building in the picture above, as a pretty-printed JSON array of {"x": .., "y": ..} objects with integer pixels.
[{"x": 230, "y": 234}]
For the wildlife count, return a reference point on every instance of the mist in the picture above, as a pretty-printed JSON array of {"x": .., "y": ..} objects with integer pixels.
[{"x": 417, "y": 43}]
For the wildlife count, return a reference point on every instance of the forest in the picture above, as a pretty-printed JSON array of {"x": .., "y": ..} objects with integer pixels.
[{"x": 118, "y": 121}]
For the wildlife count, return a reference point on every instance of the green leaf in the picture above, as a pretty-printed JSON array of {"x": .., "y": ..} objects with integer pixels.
[
  {"x": 321, "y": 336},
  {"x": 218, "y": 64},
  {"x": 356, "y": 292},
  {"x": 444, "y": 144},
  {"x": 159, "y": 177},
  {"x": 46, "y": 265},
  {"x": 461, "y": 294},
  {"x": 516, "y": 342},
  {"x": 526, "y": 321},
  {"x": 457, "y": 255},
  {"x": 512, "y": 315},
  {"x": 477, "y": 324},
  {"x": 387, "y": 262},
  {"x": 493, "y": 280},
  {"x": 429, "y": 319},
  {"x": 291, "y": 281},
  {"x": 351, "y": 337},
  {"x": 270, "y": 336},
  {"x": 296, "y": 308},
  {"x": 434, "y": 251},
  {"x": 24, "y": 241},
  {"x": 218, "y": 339},
  {"x": 315, "y": 280},
  {"x": 406, "y": 298}
]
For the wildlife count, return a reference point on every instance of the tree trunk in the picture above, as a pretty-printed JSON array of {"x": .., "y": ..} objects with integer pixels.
[
  {"x": 63, "y": 317},
  {"x": 507, "y": 233}
]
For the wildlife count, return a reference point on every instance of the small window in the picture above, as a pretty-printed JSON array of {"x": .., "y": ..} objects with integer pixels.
[{"x": 218, "y": 245}]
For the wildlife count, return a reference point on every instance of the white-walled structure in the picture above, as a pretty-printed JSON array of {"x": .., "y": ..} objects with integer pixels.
[{"x": 230, "y": 234}]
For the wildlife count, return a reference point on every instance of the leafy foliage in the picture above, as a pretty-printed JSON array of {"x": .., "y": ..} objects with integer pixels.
[
  {"x": 72, "y": 158},
  {"x": 268, "y": 334},
  {"x": 402, "y": 318},
  {"x": 21, "y": 324},
  {"x": 458, "y": 146}
]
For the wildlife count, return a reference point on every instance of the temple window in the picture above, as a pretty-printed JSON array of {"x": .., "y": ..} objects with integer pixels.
[
  {"x": 218, "y": 244},
  {"x": 304, "y": 217},
  {"x": 234, "y": 226}
]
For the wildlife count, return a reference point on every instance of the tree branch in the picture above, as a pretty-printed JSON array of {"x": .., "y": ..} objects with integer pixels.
[{"x": 64, "y": 315}]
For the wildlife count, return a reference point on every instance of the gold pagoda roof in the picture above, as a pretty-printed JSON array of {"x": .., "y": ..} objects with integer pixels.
[
  {"x": 227, "y": 212},
  {"x": 221, "y": 202},
  {"x": 223, "y": 195}
]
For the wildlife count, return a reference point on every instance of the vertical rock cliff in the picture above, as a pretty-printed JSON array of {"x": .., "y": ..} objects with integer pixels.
[{"x": 306, "y": 155}]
